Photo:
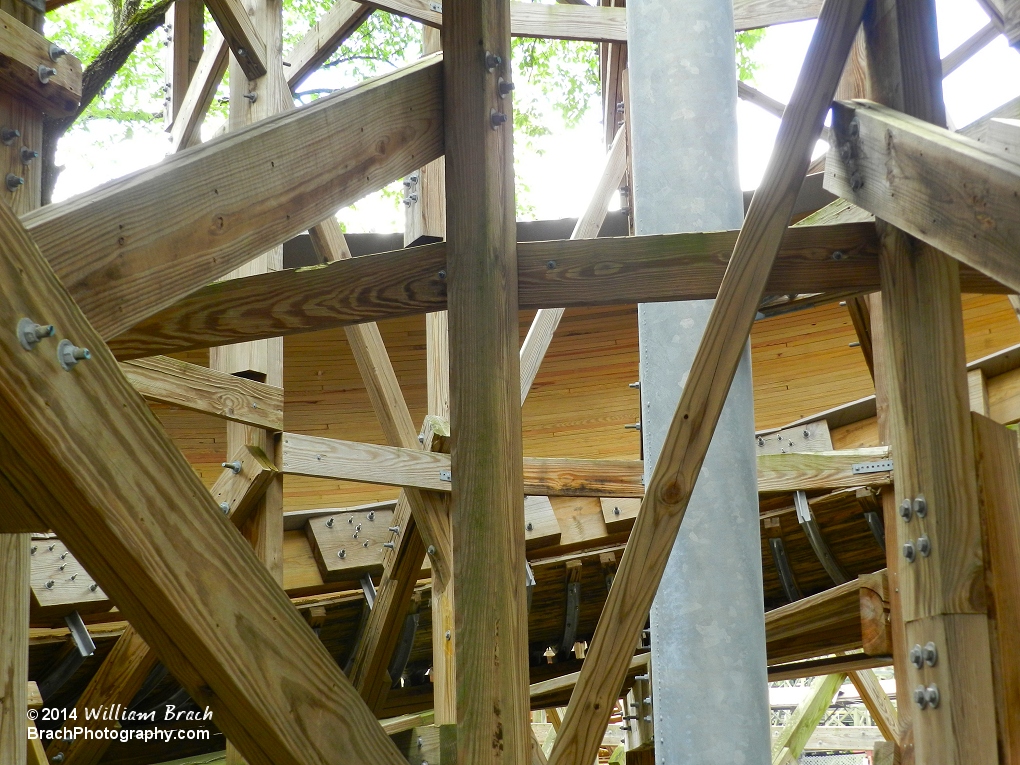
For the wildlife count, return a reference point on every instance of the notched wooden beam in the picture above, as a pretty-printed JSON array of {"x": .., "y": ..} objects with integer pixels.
[
  {"x": 36, "y": 71},
  {"x": 244, "y": 480}
]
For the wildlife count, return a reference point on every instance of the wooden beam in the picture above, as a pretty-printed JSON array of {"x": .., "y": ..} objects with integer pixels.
[
  {"x": 853, "y": 662},
  {"x": 263, "y": 184},
  {"x": 326, "y": 35},
  {"x": 185, "y": 27},
  {"x": 200, "y": 389},
  {"x": 966, "y": 50},
  {"x": 199, "y": 94},
  {"x": 543, "y": 326},
  {"x": 941, "y": 187},
  {"x": 883, "y": 714},
  {"x": 788, "y": 745},
  {"x": 243, "y": 482},
  {"x": 705, "y": 390},
  {"x": 14, "y": 598},
  {"x": 156, "y": 541},
  {"x": 28, "y": 72},
  {"x": 242, "y": 35},
  {"x": 801, "y": 471}
]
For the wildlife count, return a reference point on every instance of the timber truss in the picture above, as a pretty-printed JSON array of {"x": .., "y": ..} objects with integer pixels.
[{"x": 96, "y": 290}]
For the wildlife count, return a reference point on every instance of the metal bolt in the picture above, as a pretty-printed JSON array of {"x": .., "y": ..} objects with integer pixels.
[
  {"x": 225, "y": 507},
  {"x": 14, "y": 181},
  {"x": 842, "y": 304},
  {"x": 34, "y": 548},
  {"x": 45, "y": 72},
  {"x": 56, "y": 52},
  {"x": 371, "y": 515},
  {"x": 63, "y": 555},
  {"x": 497, "y": 119},
  {"x": 8, "y": 135},
  {"x": 505, "y": 88},
  {"x": 329, "y": 523},
  {"x": 551, "y": 265},
  {"x": 93, "y": 587},
  {"x": 73, "y": 577},
  {"x": 634, "y": 384},
  {"x": 30, "y": 333},
  {"x": 50, "y": 548},
  {"x": 49, "y": 584},
  {"x": 854, "y": 128},
  {"x": 421, "y": 439},
  {"x": 761, "y": 441},
  {"x": 365, "y": 544},
  {"x": 409, "y": 199},
  {"x": 58, "y": 757},
  {"x": 442, "y": 274},
  {"x": 908, "y": 550},
  {"x": 932, "y": 696},
  {"x": 616, "y": 511},
  {"x": 647, "y": 718},
  {"x": 635, "y": 426},
  {"x": 350, "y": 520},
  {"x": 930, "y": 653},
  {"x": 921, "y": 696},
  {"x": 419, "y": 742},
  {"x": 920, "y": 506},
  {"x": 27, "y": 155},
  {"x": 530, "y": 526},
  {"x": 906, "y": 510},
  {"x": 242, "y": 52},
  {"x": 924, "y": 545},
  {"x": 846, "y": 152},
  {"x": 916, "y": 656},
  {"x": 641, "y": 677},
  {"x": 342, "y": 554},
  {"x": 492, "y": 61},
  {"x": 807, "y": 434},
  {"x": 356, "y": 533},
  {"x": 388, "y": 545},
  {"x": 235, "y": 466},
  {"x": 394, "y": 529},
  {"x": 648, "y": 700},
  {"x": 63, "y": 566},
  {"x": 358, "y": 527},
  {"x": 253, "y": 97},
  {"x": 431, "y": 550},
  {"x": 448, "y": 634},
  {"x": 70, "y": 354},
  {"x": 838, "y": 255},
  {"x": 856, "y": 182}
]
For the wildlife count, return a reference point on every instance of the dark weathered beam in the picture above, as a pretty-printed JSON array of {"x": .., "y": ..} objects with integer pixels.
[
  {"x": 140, "y": 243},
  {"x": 943, "y": 188},
  {"x": 28, "y": 72},
  {"x": 94, "y": 462}
]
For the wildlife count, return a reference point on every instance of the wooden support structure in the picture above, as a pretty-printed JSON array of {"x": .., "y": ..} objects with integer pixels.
[
  {"x": 14, "y": 573},
  {"x": 786, "y": 748}
]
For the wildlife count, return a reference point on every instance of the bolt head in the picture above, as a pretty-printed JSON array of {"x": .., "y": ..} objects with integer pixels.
[
  {"x": 906, "y": 510},
  {"x": 14, "y": 182},
  {"x": 921, "y": 696},
  {"x": 916, "y": 656},
  {"x": 932, "y": 696},
  {"x": 924, "y": 545},
  {"x": 909, "y": 552},
  {"x": 930, "y": 653},
  {"x": 920, "y": 506},
  {"x": 856, "y": 182},
  {"x": 431, "y": 550}
]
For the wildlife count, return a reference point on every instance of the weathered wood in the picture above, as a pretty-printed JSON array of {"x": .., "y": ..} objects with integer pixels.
[
  {"x": 22, "y": 52},
  {"x": 941, "y": 187},
  {"x": 184, "y": 23},
  {"x": 326, "y": 35},
  {"x": 152, "y": 535},
  {"x": 877, "y": 701},
  {"x": 242, "y": 491},
  {"x": 60, "y": 584},
  {"x": 705, "y": 389},
  {"x": 753, "y": 14},
  {"x": 14, "y": 573},
  {"x": 788, "y": 745},
  {"x": 998, "y": 476},
  {"x": 189, "y": 386},
  {"x": 242, "y": 35},
  {"x": 199, "y": 93},
  {"x": 191, "y": 219},
  {"x": 966, "y": 50},
  {"x": 813, "y": 668}
]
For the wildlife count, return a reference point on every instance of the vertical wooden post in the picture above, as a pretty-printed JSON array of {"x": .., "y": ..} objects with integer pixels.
[
  {"x": 250, "y": 101},
  {"x": 485, "y": 411},
  {"x": 942, "y": 591},
  {"x": 185, "y": 21},
  {"x": 427, "y": 217}
]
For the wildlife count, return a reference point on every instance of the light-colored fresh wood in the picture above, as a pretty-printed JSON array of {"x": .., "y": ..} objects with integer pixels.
[
  {"x": 942, "y": 187},
  {"x": 326, "y": 35},
  {"x": 805, "y": 471},
  {"x": 184, "y": 23},
  {"x": 998, "y": 475},
  {"x": 704, "y": 392},
  {"x": 152, "y": 535},
  {"x": 60, "y": 584},
  {"x": 200, "y": 92},
  {"x": 242, "y": 34},
  {"x": 22, "y": 52},
  {"x": 14, "y": 574},
  {"x": 264, "y": 184},
  {"x": 189, "y": 386},
  {"x": 977, "y": 388},
  {"x": 33, "y": 699},
  {"x": 242, "y": 491},
  {"x": 788, "y": 745},
  {"x": 883, "y": 713}
]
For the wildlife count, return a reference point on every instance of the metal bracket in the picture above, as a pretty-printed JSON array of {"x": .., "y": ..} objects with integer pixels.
[
  {"x": 814, "y": 535},
  {"x": 877, "y": 527},
  {"x": 446, "y": 475},
  {"x": 403, "y": 651},
  {"x": 80, "y": 634},
  {"x": 782, "y": 564},
  {"x": 434, "y": 6},
  {"x": 369, "y": 589},
  {"x": 573, "y": 616},
  {"x": 879, "y": 466},
  {"x": 529, "y": 582}
]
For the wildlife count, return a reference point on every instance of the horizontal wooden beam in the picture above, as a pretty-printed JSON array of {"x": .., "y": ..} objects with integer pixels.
[
  {"x": 851, "y": 663},
  {"x": 29, "y": 73},
  {"x": 140, "y": 243},
  {"x": 95, "y": 464},
  {"x": 200, "y": 389},
  {"x": 799, "y": 471},
  {"x": 941, "y": 187},
  {"x": 555, "y": 274}
]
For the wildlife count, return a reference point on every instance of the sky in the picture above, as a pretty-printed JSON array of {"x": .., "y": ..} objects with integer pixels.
[{"x": 568, "y": 162}]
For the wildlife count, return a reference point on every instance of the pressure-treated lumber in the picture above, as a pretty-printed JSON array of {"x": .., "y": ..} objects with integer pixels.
[
  {"x": 193, "y": 218},
  {"x": 966, "y": 50},
  {"x": 705, "y": 389},
  {"x": 883, "y": 714},
  {"x": 325, "y": 36},
  {"x": 942, "y": 595},
  {"x": 941, "y": 187},
  {"x": 487, "y": 505},
  {"x": 543, "y": 326},
  {"x": 242, "y": 491},
  {"x": 185, "y": 27},
  {"x": 998, "y": 476},
  {"x": 853, "y": 662},
  {"x": 803, "y": 471},
  {"x": 152, "y": 535},
  {"x": 239, "y": 29},
  {"x": 199, "y": 94},
  {"x": 189, "y": 386},
  {"x": 22, "y": 52},
  {"x": 14, "y": 573},
  {"x": 786, "y": 748}
]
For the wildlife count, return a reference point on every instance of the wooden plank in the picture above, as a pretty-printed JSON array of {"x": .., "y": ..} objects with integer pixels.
[
  {"x": 199, "y": 94},
  {"x": 968, "y": 48},
  {"x": 242, "y": 491},
  {"x": 705, "y": 389},
  {"x": 883, "y": 714},
  {"x": 359, "y": 535},
  {"x": 619, "y": 513},
  {"x": 157, "y": 543},
  {"x": 60, "y": 584},
  {"x": 806, "y": 471},
  {"x": 264, "y": 184},
  {"x": 541, "y": 528},
  {"x": 854, "y": 662},
  {"x": 22, "y": 52},
  {"x": 14, "y": 573},
  {"x": 977, "y": 388},
  {"x": 326, "y": 35},
  {"x": 242, "y": 35},
  {"x": 788, "y": 745},
  {"x": 941, "y": 187},
  {"x": 184, "y": 22},
  {"x": 754, "y": 14},
  {"x": 199, "y": 389},
  {"x": 33, "y": 699},
  {"x": 998, "y": 476}
]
